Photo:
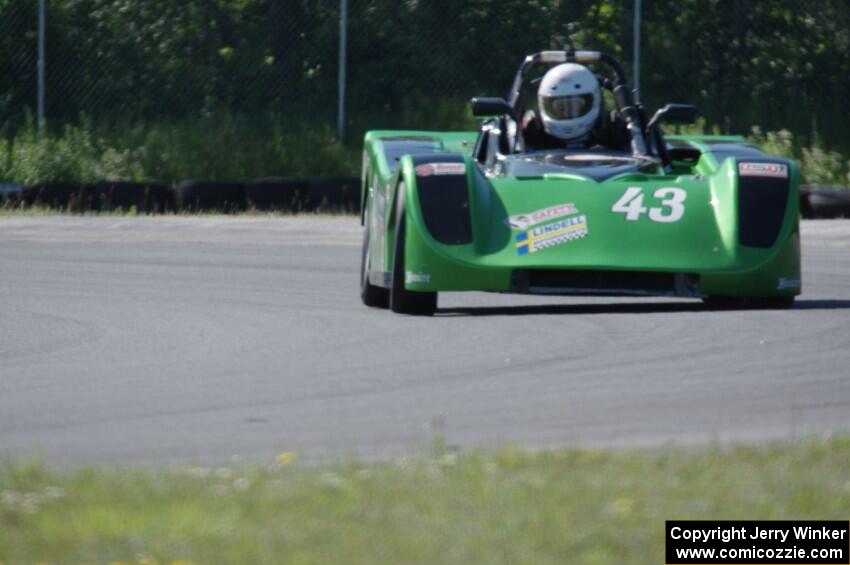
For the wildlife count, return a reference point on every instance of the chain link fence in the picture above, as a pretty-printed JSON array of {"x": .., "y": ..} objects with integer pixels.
[{"x": 414, "y": 63}]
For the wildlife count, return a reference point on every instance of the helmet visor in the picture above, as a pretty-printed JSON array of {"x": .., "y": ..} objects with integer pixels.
[{"x": 567, "y": 107}]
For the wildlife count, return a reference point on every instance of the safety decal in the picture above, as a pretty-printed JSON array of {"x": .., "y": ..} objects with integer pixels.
[
  {"x": 556, "y": 233},
  {"x": 525, "y": 221},
  {"x": 429, "y": 169},
  {"x": 774, "y": 170},
  {"x": 787, "y": 283},
  {"x": 411, "y": 277}
]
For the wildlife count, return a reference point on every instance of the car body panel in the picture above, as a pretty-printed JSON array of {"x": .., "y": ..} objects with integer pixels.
[{"x": 687, "y": 222}]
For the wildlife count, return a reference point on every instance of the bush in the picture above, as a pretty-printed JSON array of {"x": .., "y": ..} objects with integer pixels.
[
  {"x": 222, "y": 146},
  {"x": 819, "y": 165},
  {"x": 225, "y": 146}
]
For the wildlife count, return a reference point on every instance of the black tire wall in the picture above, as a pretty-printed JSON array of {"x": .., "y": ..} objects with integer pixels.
[
  {"x": 209, "y": 196},
  {"x": 277, "y": 193},
  {"x": 335, "y": 194},
  {"x": 145, "y": 197},
  {"x": 57, "y": 195},
  {"x": 826, "y": 202}
]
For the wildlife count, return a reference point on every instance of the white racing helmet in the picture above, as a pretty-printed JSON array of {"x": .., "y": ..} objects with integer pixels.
[{"x": 569, "y": 100}]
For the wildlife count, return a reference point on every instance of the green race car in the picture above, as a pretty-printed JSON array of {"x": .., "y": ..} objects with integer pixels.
[{"x": 701, "y": 217}]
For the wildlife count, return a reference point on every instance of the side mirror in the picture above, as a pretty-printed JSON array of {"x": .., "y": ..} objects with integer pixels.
[
  {"x": 487, "y": 106},
  {"x": 674, "y": 114}
]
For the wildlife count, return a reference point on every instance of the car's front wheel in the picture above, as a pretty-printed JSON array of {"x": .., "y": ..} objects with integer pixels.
[
  {"x": 403, "y": 301},
  {"x": 371, "y": 295}
]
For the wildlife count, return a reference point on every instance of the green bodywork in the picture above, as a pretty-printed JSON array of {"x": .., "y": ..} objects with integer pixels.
[{"x": 704, "y": 241}]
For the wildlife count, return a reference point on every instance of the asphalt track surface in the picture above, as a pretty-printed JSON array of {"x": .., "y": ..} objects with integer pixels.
[{"x": 136, "y": 341}]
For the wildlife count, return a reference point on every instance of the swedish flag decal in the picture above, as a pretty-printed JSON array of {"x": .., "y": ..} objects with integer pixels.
[
  {"x": 551, "y": 234},
  {"x": 522, "y": 243}
]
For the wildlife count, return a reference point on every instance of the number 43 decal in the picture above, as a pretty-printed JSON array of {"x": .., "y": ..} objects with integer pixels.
[{"x": 671, "y": 209}]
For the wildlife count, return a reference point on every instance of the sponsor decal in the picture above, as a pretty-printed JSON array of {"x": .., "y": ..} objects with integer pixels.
[
  {"x": 411, "y": 277},
  {"x": 429, "y": 169},
  {"x": 549, "y": 235},
  {"x": 774, "y": 170},
  {"x": 525, "y": 221},
  {"x": 787, "y": 283}
]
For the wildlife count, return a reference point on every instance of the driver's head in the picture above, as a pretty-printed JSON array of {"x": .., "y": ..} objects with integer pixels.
[{"x": 569, "y": 100}]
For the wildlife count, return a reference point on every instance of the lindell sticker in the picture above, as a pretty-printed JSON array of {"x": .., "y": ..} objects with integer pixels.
[{"x": 774, "y": 170}]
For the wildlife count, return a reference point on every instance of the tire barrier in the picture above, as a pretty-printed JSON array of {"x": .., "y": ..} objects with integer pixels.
[
  {"x": 154, "y": 198},
  {"x": 825, "y": 202},
  {"x": 337, "y": 194},
  {"x": 277, "y": 193},
  {"x": 99, "y": 197},
  {"x": 57, "y": 195},
  {"x": 805, "y": 205},
  {"x": 10, "y": 194},
  {"x": 209, "y": 196}
]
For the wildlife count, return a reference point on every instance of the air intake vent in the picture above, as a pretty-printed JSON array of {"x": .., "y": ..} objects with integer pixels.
[
  {"x": 444, "y": 200},
  {"x": 761, "y": 208},
  {"x": 610, "y": 283}
]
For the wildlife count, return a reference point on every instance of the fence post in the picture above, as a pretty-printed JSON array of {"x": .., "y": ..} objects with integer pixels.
[
  {"x": 42, "y": 19},
  {"x": 343, "y": 24},
  {"x": 636, "y": 54}
]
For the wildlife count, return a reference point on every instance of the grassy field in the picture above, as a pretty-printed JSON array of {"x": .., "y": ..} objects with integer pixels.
[{"x": 507, "y": 506}]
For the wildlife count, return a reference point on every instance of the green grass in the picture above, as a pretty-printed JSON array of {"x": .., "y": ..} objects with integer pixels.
[
  {"x": 222, "y": 145},
  {"x": 507, "y": 506}
]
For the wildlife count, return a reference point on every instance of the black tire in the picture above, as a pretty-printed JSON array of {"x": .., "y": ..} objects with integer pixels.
[
  {"x": 829, "y": 202},
  {"x": 749, "y": 302},
  {"x": 371, "y": 295},
  {"x": 10, "y": 195},
  {"x": 159, "y": 198},
  {"x": 806, "y": 210},
  {"x": 146, "y": 197},
  {"x": 197, "y": 195},
  {"x": 337, "y": 194},
  {"x": 403, "y": 301},
  {"x": 277, "y": 193},
  {"x": 56, "y": 195}
]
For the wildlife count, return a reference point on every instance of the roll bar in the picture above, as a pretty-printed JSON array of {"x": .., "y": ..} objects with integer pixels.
[{"x": 622, "y": 94}]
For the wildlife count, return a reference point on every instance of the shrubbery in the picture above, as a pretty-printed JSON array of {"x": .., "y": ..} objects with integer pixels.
[
  {"x": 226, "y": 89},
  {"x": 231, "y": 147},
  {"x": 224, "y": 147},
  {"x": 819, "y": 166}
]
